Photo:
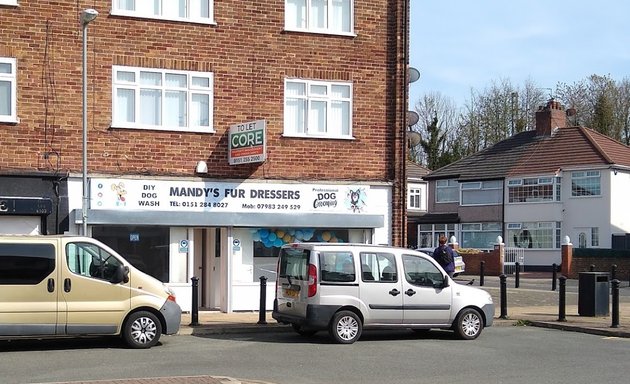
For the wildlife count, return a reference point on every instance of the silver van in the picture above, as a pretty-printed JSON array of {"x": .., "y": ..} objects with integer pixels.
[
  {"x": 76, "y": 286},
  {"x": 344, "y": 288}
]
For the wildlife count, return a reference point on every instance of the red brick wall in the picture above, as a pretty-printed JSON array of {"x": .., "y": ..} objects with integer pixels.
[
  {"x": 492, "y": 267},
  {"x": 250, "y": 55}
]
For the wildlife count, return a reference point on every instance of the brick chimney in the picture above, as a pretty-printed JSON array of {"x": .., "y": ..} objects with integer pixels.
[{"x": 549, "y": 117}]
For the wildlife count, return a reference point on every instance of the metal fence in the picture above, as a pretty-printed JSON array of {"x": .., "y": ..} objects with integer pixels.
[{"x": 511, "y": 256}]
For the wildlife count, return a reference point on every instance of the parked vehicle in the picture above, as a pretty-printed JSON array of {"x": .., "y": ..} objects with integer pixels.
[
  {"x": 344, "y": 288},
  {"x": 76, "y": 286},
  {"x": 460, "y": 266}
]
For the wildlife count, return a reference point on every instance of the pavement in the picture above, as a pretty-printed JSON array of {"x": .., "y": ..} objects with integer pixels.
[{"x": 533, "y": 303}]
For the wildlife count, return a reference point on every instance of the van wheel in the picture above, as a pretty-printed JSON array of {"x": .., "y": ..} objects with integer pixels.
[
  {"x": 345, "y": 327},
  {"x": 468, "y": 324},
  {"x": 142, "y": 330},
  {"x": 303, "y": 331}
]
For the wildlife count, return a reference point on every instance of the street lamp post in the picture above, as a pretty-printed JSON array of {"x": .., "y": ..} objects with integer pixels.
[{"x": 87, "y": 16}]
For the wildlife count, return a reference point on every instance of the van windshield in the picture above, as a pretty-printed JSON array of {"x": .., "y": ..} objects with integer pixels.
[{"x": 294, "y": 263}]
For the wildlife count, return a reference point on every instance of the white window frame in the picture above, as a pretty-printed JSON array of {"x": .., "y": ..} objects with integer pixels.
[
  {"x": 135, "y": 86},
  {"x": 415, "y": 198},
  {"x": 432, "y": 232},
  {"x": 533, "y": 236},
  {"x": 307, "y": 129},
  {"x": 533, "y": 195},
  {"x": 446, "y": 185},
  {"x": 482, "y": 189},
  {"x": 305, "y": 24},
  {"x": 494, "y": 228},
  {"x": 9, "y": 2},
  {"x": 11, "y": 78},
  {"x": 586, "y": 175},
  {"x": 164, "y": 14}
]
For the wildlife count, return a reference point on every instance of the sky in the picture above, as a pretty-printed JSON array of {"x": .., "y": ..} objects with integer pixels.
[{"x": 460, "y": 45}]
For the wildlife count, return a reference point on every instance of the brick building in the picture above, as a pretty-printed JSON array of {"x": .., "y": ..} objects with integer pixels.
[{"x": 216, "y": 131}]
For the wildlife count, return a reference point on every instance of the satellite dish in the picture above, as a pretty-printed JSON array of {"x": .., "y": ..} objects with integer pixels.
[
  {"x": 413, "y": 74},
  {"x": 412, "y": 118},
  {"x": 413, "y": 138}
]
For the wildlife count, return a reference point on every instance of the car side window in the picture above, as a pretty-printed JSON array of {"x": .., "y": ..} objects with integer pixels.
[
  {"x": 378, "y": 267},
  {"x": 420, "y": 271},
  {"x": 89, "y": 260}
]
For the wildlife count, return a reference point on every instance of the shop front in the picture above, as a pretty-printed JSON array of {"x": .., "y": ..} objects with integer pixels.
[{"x": 227, "y": 233}]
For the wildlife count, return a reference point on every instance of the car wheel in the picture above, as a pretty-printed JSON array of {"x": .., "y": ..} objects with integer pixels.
[
  {"x": 142, "y": 330},
  {"x": 346, "y": 327},
  {"x": 468, "y": 324},
  {"x": 303, "y": 331}
]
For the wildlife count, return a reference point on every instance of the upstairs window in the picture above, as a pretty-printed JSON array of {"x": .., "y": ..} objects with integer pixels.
[
  {"x": 321, "y": 16},
  {"x": 161, "y": 99},
  {"x": 446, "y": 191},
  {"x": 482, "y": 192},
  {"x": 415, "y": 198},
  {"x": 196, "y": 11},
  {"x": 8, "y": 87},
  {"x": 317, "y": 109},
  {"x": 534, "y": 189},
  {"x": 586, "y": 183}
]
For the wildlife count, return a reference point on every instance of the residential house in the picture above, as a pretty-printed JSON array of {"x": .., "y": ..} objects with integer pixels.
[
  {"x": 416, "y": 203},
  {"x": 535, "y": 188},
  {"x": 216, "y": 131}
]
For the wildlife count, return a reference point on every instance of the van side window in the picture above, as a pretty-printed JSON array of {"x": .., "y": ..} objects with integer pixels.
[
  {"x": 420, "y": 271},
  {"x": 378, "y": 267},
  {"x": 25, "y": 264},
  {"x": 89, "y": 260},
  {"x": 294, "y": 263},
  {"x": 337, "y": 267}
]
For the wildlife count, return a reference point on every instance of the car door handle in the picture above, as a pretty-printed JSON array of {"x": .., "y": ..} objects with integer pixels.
[
  {"x": 394, "y": 292},
  {"x": 67, "y": 285},
  {"x": 410, "y": 292},
  {"x": 51, "y": 285}
]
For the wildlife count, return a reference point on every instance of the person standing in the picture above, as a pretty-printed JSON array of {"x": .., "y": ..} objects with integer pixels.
[{"x": 445, "y": 256}]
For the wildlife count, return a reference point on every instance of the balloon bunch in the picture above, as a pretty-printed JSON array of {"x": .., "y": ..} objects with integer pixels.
[{"x": 277, "y": 237}]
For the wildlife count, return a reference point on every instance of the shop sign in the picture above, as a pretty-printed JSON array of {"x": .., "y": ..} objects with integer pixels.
[
  {"x": 183, "y": 246},
  {"x": 194, "y": 196},
  {"x": 247, "y": 143}
]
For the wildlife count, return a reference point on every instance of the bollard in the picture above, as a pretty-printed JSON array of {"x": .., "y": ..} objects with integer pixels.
[
  {"x": 613, "y": 272},
  {"x": 194, "y": 312},
  {"x": 503, "y": 278},
  {"x": 591, "y": 268},
  {"x": 554, "y": 276},
  {"x": 562, "y": 301},
  {"x": 262, "y": 319},
  {"x": 517, "y": 278},
  {"x": 615, "y": 303},
  {"x": 481, "y": 273}
]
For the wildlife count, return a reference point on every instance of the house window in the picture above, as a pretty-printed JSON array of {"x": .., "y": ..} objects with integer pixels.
[
  {"x": 481, "y": 192},
  {"x": 479, "y": 235},
  {"x": 446, "y": 191},
  {"x": 321, "y": 16},
  {"x": 586, "y": 183},
  {"x": 428, "y": 234},
  {"x": 8, "y": 2},
  {"x": 197, "y": 11},
  {"x": 145, "y": 98},
  {"x": 534, "y": 189},
  {"x": 8, "y": 87},
  {"x": 415, "y": 196},
  {"x": 317, "y": 109},
  {"x": 534, "y": 235},
  {"x": 595, "y": 237}
]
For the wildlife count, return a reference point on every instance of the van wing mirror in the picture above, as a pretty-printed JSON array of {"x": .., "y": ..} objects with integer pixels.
[
  {"x": 442, "y": 284},
  {"x": 121, "y": 275}
]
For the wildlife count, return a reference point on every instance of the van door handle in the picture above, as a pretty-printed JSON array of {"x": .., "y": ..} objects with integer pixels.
[
  {"x": 67, "y": 285},
  {"x": 410, "y": 292},
  {"x": 51, "y": 285},
  {"x": 394, "y": 292}
]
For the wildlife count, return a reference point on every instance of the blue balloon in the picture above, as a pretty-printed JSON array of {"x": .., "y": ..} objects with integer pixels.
[
  {"x": 278, "y": 242},
  {"x": 263, "y": 233},
  {"x": 272, "y": 236},
  {"x": 256, "y": 236}
]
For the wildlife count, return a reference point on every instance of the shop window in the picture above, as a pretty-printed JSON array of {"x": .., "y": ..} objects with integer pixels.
[{"x": 145, "y": 247}]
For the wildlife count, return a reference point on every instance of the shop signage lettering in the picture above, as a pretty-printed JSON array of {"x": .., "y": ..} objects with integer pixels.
[{"x": 164, "y": 195}]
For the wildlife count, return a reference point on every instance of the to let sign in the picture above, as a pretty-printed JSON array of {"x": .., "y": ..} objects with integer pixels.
[{"x": 248, "y": 143}]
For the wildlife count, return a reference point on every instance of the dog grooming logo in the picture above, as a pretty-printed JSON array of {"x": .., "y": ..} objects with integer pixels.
[
  {"x": 356, "y": 200},
  {"x": 120, "y": 191}
]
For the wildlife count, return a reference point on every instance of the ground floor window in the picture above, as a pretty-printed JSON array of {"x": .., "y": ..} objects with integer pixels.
[
  {"x": 145, "y": 247},
  {"x": 534, "y": 235},
  {"x": 479, "y": 235},
  {"x": 428, "y": 234}
]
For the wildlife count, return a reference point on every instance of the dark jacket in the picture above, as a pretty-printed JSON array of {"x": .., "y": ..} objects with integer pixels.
[{"x": 450, "y": 267}]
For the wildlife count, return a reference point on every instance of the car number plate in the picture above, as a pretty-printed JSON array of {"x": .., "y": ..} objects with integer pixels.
[{"x": 291, "y": 293}]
